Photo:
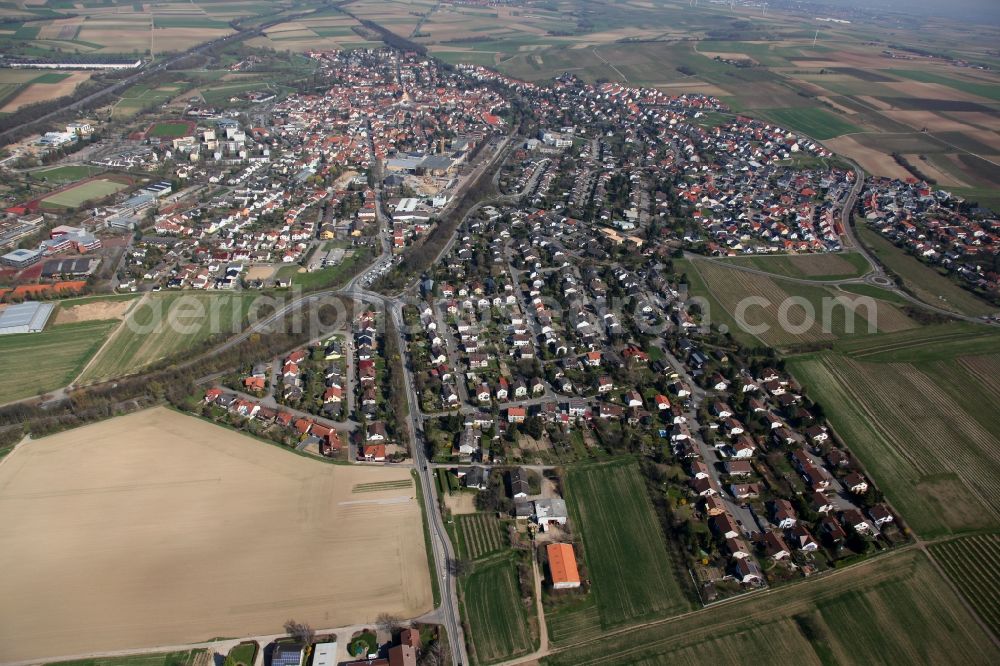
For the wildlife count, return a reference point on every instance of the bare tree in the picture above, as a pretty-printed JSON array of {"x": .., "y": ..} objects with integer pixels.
[
  {"x": 388, "y": 623},
  {"x": 435, "y": 654},
  {"x": 301, "y": 631},
  {"x": 458, "y": 567}
]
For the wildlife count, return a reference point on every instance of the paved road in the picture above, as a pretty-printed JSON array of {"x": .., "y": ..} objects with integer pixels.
[{"x": 442, "y": 548}]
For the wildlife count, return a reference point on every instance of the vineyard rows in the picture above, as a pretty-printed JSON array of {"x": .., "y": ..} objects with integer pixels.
[
  {"x": 972, "y": 564},
  {"x": 479, "y": 535}
]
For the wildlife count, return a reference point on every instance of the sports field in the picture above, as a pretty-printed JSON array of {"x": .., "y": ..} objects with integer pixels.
[
  {"x": 66, "y": 174},
  {"x": 163, "y": 325},
  {"x": 631, "y": 572},
  {"x": 91, "y": 190},
  {"x": 891, "y": 609},
  {"x": 903, "y": 407},
  {"x": 491, "y": 600},
  {"x": 37, "y": 362},
  {"x": 169, "y": 129},
  {"x": 94, "y": 560}
]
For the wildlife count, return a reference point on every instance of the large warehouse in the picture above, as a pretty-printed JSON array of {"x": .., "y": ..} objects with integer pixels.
[{"x": 27, "y": 317}]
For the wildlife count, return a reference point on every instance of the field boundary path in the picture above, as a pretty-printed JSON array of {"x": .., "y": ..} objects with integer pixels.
[{"x": 114, "y": 334}]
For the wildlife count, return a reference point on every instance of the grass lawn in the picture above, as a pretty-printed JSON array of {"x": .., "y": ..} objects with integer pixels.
[
  {"x": 631, "y": 571},
  {"x": 243, "y": 653},
  {"x": 38, "y": 362},
  {"x": 890, "y": 609},
  {"x": 182, "y": 658},
  {"x": 497, "y": 620},
  {"x": 166, "y": 325},
  {"x": 922, "y": 280},
  {"x": 435, "y": 586},
  {"x": 330, "y": 277},
  {"x": 363, "y": 645}
]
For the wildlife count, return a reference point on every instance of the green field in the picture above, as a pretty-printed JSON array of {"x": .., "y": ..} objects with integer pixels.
[
  {"x": 971, "y": 563},
  {"x": 573, "y": 622},
  {"x": 987, "y": 90},
  {"x": 67, "y": 174},
  {"x": 168, "y": 129},
  {"x": 329, "y": 277},
  {"x": 38, "y": 362},
  {"x": 903, "y": 408},
  {"x": 874, "y": 292},
  {"x": 632, "y": 574},
  {"x": 181, "y": 658},
  {"x": 51, "y": 77},
  {"x": 791, "y": 313},
  {"x": 479, "y": 535},
  {"x": 921, "y": 280},
  {"x": 498, "y": 624},
  {"x": 894, "y": 609},
  {"x": 818, "y": 267},
  {"x": 243, "y": 653},
  {"x": 166, "y": 325},
  {"x": 93, "y": 190},
  {"x": 815, "y": 122}
]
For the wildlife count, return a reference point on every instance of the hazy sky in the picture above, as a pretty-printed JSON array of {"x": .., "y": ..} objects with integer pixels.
[{"x": 981, "y": 11}]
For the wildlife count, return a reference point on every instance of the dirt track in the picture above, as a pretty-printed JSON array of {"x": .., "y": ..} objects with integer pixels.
[{"x": 158, "y": 528}]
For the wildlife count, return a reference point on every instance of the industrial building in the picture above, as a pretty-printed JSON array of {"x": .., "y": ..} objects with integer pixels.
[{"x": 29, "y": 317}]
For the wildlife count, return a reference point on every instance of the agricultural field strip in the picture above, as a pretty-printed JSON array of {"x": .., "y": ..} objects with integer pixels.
[
  {"x": 971, "y": 563},
  {"x": 566, "y": 626},
  {"x": 886, "y": 437},
  {"x": 495, "y": 614},
  {"x": 749, "y": 284},
  {"x": 381, "y": 485},
  {"x": 875, "y": 388},
  {"x": 880, "y": 576},
  {"x": 624, "y": 545}
]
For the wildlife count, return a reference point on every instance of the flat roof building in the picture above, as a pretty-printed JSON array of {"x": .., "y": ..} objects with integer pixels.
[
  {"x": 21, "y": 258},
  {"x": 325, "y": 654},
  {"x": 29, "y": 317},
  {"x": 562, "y": 566}
]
